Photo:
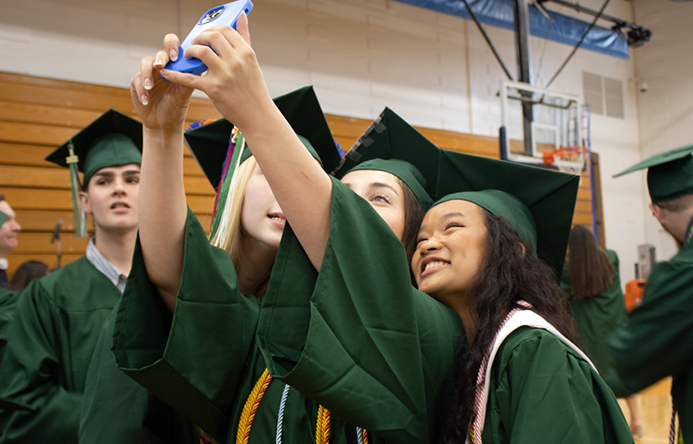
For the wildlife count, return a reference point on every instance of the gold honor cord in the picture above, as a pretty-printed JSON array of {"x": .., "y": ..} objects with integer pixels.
[
  {"x": 322, "y": 432},
  {"x": 362, "y": 435},
  {"x": 251, "y": 406},
  {"x": 322, "y": 429}
]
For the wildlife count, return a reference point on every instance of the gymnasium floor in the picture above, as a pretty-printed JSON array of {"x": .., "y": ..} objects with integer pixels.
[{"x": 655, "y": 412}]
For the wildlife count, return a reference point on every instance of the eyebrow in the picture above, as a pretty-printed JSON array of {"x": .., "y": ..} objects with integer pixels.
[
  {"x": 454, "y": 214},
  {"x": 110, "y": 174},
  {"x": 374, "y": 185},
  {"x": 447, "y": 216},
  {"x": 383, "y": 185}
]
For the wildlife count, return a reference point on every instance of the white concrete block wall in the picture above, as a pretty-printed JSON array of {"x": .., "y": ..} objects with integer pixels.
[
  {"x": 362, "y": 55},
  {"x": 666, "y": 109}
]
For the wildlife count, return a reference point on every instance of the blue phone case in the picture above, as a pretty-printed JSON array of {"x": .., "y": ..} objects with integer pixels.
[{"x": 224, "y": 15}]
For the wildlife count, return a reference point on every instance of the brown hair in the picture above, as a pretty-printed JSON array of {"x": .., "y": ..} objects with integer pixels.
[
  {"x": 413, "y": 216},
  {"x": 678, "y": 204},
  {"x": 27, "y": 272},
  {"x": 591, "y": 271}
]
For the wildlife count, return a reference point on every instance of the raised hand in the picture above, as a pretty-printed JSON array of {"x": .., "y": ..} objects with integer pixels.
[
  {"x": 161, "y": 105},
  {"x": 234, "y": 81}
]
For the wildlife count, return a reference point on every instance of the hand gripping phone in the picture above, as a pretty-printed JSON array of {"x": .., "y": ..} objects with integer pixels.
[{"x": 224, "y": 15}]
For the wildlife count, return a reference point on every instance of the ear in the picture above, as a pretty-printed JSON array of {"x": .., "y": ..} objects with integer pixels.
[
  {"x": 522, "y": 247},
  {"x": 84, "y": 202},
  {"x": 658, "y": 212}
]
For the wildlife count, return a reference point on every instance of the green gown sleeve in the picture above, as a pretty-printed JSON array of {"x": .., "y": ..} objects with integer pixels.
[
  {"x": 543, "y": 392},
  {"x": 212, "y": 328},
  {"x": 8, "y": 304},
  {"x": 117, "y": 410},
  {"x": 31, "y": 375},
  {"x": 657, "y": 341},
  {"x": 357, "y": 337}
]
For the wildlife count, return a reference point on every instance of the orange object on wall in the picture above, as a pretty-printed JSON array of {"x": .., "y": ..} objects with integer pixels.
[{"x": 634, "y": 291}]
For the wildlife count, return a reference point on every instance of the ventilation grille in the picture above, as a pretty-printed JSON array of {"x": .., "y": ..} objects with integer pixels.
[{"x": 604, "y": 95}]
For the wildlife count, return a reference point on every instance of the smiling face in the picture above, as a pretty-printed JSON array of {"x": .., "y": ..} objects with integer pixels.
[
  {"x": 450, "y": 249},
  {"x": 262, "y": 218},
  {"x": 111, "y": 198},
  {"x": 8, "y": 230},
  {"x": 383, "y": 191}
]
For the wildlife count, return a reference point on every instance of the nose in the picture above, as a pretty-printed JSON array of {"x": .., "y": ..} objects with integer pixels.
[
  {"x": 119, "y": 186},
  {"x": 428, "y": 246},
  {"x": 17, "y": 227}
]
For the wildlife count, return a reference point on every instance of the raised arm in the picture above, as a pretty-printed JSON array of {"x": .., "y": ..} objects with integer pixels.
[
  {"x": 237, "y": 88},
  {"x": 162, "y": 106}
]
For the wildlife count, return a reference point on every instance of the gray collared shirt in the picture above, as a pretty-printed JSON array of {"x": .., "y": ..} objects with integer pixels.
[{"x": 104, "y": 266}]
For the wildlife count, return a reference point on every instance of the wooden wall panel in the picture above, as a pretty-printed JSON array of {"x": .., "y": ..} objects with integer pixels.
[
  {"x": 36, "y": 116},
  {"x": 39, "y": 114}
]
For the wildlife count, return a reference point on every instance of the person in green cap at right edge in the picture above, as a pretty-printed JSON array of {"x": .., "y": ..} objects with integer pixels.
[
  {"x": 657, "y": 341},
  {"x": 59, "y": 317}
]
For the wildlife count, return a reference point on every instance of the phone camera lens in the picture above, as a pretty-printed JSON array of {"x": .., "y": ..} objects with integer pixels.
[{"x": 211, "y": 15}]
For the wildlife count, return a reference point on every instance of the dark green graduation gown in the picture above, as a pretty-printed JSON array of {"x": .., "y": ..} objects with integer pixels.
[
  {"x": 597, "y": 316},
  {"x": 117, "y": 410},
  {"x": 542, "y": 391},
  {"x": 658, "y": 340},
  {"x": 204, "y": 360},
  {"x": 53, "y": 336},
  {"x": 8, "y": 304},
  {"x": 363, "y": 342}
]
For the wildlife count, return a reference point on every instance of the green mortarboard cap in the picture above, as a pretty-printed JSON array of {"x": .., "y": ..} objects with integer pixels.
[
  {"x": 3, "y": 217},
  {"x": 209, "y": 143},
  {"x": 538, "y": 203},
  {"x": 401, "y": 150},
  {"x": 669, "y": 174},
  {"x": 113, "y": 139}
]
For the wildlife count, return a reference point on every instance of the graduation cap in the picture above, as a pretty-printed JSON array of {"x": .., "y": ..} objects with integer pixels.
[
  {"x": 113, "y": 139},
  {"x": 390, "y": 144},
  {"x": 219, "y": 149},
  {"x": 209, "y": 143},
  {"x": 3, "y": 217},
  {"x": 538, "y": 203},
  {"x": 669, "y": 174}
]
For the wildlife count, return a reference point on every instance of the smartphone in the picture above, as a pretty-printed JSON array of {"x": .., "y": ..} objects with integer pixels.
[{"x": 224, "y": 15}]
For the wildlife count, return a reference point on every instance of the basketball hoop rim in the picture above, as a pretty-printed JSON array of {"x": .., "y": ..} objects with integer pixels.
[{"x": 550, "y": 157}]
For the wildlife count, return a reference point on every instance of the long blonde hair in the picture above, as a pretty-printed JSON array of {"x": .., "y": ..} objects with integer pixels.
[{"x": 229, "y": 239}]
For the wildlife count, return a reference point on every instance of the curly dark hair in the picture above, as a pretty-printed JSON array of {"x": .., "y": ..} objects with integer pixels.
[{"x": 507, "y": 274}]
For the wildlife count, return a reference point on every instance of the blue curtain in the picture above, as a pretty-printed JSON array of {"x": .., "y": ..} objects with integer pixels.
[{"x": 563, "y": 29}]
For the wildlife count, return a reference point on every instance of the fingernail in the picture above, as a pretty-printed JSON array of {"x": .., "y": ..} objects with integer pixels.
[
  {"x": 174, "y": 55},
  {"x": 158, "y": 62},
  {"x": 144, "y": 99},
  {"x": 165, "y": 72},
  {"x": 147, "y": 84}
]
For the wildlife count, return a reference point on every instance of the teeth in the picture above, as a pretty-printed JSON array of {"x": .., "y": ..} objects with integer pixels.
[
  {"x": 434, "y": 264},
  {"x": 277, "y": 218}
]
